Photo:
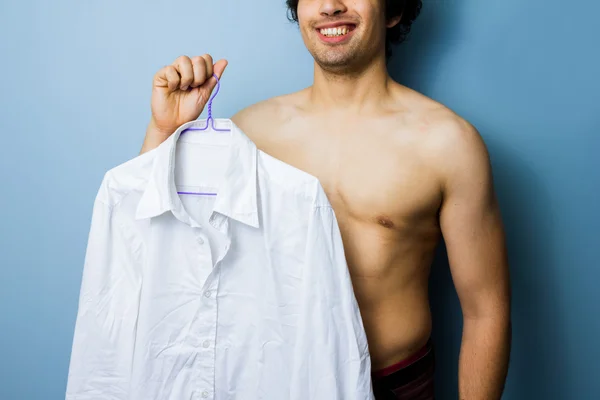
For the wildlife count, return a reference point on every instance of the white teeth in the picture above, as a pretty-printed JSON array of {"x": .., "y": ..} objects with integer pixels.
[{"x": 338, "y": 31}]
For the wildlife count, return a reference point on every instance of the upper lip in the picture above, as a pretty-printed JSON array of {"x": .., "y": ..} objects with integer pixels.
[{"x": 335, "y": 24}]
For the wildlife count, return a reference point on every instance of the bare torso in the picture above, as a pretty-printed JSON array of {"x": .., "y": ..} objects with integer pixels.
[{"x": 379, "y": 173}]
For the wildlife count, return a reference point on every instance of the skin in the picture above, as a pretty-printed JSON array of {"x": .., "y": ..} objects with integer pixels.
[{"x": 401, "y": 171}]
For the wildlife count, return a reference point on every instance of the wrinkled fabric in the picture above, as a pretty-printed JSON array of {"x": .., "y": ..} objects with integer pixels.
[{"x": 241, "y": 293}]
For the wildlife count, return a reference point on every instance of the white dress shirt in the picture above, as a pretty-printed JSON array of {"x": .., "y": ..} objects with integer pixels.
[{"x": 240, "y": 295}]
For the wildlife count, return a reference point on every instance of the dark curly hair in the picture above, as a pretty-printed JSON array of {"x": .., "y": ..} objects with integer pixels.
[{"x": 410, "y": 10}]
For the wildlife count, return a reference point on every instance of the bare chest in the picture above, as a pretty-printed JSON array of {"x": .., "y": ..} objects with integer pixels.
[{"x": 370, "y": 179}]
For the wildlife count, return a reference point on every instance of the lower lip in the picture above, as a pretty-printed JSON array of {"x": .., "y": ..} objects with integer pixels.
[{"x": 335, "y": 39}]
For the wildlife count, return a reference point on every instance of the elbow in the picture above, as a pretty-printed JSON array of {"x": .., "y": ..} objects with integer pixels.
[{"x": 497, "y": 311}]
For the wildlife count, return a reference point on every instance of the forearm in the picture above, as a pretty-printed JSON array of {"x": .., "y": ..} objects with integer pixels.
[
  {"x": 484, "y": 357},
  {"x": 153, "y": 138}
]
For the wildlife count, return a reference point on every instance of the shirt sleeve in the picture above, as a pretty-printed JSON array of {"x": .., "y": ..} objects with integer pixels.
[
  {"x": 105, "y": 327},
  {"x": 332, "y": 356}
]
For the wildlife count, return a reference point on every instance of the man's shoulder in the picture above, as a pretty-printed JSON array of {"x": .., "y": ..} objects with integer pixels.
[
  {"x": 451, "y": 130},
  {"x": 442, "y": 129},
  {"x": 456, "y": 136},
  {"x": 264, "y": 116},
  {"x": 264, "y": 119},
  {"x": 249, "y": 116},
  {"x": 454, "y": 146},
  {"x": 447, "y": 140}
]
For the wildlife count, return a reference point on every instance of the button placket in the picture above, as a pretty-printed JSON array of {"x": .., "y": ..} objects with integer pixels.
[
  {"x": 200, "y": 236},
  {"x": 224, "y": 229},
  {"x": 206, "y": 330},
  {"x": 205, "y": 345},
  {"x": 203, "y": 257}
]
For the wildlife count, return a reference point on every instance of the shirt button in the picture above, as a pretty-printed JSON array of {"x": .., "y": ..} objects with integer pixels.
[
  {"x": 204, "y": 394},
  {"x": 206, "y": 344},
  {"x": 200, "y": 240},
  {"x": 207, "y": 293}
]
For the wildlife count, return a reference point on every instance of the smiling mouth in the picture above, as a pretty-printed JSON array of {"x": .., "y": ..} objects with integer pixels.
[{"x": 337, "y": 31}]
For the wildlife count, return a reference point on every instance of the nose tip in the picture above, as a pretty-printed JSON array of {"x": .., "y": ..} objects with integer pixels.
[
  {"x": 334, "y": 13},
  {"x": 332, "y": 8}
]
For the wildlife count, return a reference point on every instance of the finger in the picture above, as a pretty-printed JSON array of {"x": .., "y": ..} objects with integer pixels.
[
  {"x": 172, "y": 77},
  {"x": 199, "y": 66},
  {"x": 208, "y": 60},
  {"x": 160, "y": 78},
  {"x": 186, "y": 71},
  {"x": 218, "y": 69}
]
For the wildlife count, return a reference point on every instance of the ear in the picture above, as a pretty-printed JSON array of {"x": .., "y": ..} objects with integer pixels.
[{"x": 393, "y": 22}]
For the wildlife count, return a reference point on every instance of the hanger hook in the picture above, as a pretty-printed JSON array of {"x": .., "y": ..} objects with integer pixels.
[{"x": 213, "y": 96}]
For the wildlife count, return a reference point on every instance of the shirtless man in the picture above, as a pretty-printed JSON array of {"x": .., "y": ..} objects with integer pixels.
[{"x": 400, "y": 170}]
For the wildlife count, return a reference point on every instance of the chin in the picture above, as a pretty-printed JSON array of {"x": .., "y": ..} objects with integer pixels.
[
  {"x": 336, "y": 61},
  {"x": 334, "y": 65}
]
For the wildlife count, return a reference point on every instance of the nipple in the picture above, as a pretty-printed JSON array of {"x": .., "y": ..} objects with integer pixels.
[{"x": 385, "y": 222}]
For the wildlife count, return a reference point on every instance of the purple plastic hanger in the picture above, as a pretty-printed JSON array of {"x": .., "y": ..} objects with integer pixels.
[{"x": 212, "y": 123}]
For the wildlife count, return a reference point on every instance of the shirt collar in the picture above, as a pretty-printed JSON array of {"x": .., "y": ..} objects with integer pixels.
[{"x": 237, "y": 198}]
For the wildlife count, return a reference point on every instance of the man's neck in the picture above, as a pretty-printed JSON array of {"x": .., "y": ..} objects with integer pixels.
[{"x": 357, "y": 91}]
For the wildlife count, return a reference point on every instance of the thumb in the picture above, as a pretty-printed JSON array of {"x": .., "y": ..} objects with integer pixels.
[{"x": 218, "y": 69}]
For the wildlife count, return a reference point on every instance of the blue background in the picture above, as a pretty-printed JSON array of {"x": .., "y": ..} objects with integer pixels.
[{"x": 74, "y": 101}]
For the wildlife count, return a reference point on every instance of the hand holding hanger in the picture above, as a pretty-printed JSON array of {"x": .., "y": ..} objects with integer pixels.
[{"x": 181, "y": 90}]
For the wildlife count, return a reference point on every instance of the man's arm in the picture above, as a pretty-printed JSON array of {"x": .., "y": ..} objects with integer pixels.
[
  {"x": 474, "y": 235},
  {"x": 154, "y": 137}
]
